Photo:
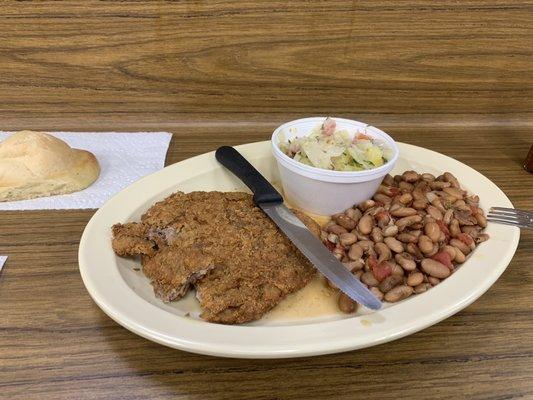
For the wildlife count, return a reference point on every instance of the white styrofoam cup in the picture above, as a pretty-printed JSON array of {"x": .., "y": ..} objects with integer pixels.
[{"x": 321, "y": 191}]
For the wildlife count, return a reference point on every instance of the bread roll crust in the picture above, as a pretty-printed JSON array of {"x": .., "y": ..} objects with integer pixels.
[{"x": 36, "y": 164}]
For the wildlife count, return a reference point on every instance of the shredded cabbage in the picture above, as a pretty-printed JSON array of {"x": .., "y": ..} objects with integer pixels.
[{"x": 328, "y": 148}]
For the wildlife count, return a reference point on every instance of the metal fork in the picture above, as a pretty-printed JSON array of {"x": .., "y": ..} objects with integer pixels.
[{"x": 511, "y": 216}]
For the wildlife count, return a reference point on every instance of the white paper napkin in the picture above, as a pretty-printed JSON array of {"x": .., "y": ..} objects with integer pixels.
[
  {"x": 2, "y": 262},
  {"x": 124, "y": 158}
]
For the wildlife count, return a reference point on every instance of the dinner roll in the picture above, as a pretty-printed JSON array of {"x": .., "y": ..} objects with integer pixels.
[{"x": 36, "y": 164}]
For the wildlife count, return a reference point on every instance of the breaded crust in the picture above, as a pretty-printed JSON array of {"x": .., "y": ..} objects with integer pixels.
[{"x": 251, "y": 266}]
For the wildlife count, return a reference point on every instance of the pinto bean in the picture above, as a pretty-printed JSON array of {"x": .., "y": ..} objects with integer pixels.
[
  {"x": 419, "y": 204},
  {"x": 336, "y": 229},
  {"x": 428, "y": 177},
  {"x": 376, "y": 235},
  {"x": 375, "y": 211},
  {"x": 355, "y": 252},
  {"x": 404, "y": 222},
  {"x": 472, "y": 200},
  {"x": 439, "y": 185},
  {"x": 405, "y": 187},
  {"x": 455, "y": 230},
  {"x": 354, "y": 213},
  {"x": 403, "y": 212},
  {"x": 465, "y": 249},
  {"x": 346, "y": 305},
  {"x": 410, "y": 176},
  {"x": 346, "y": 222},
  {"x": 396, "y": 270},
  {"x": 414, "y": 251},
  {"x": 394, "y": 244},
  {"x": 433, "y": 281},
  {"x": 437, "y": 203},
  {"x": 481, "y": 220},
  {"x": 389, "y": 180},
  {"x": 434, "y": 212},
  {"x": 472, "y": 230},
  {"x": 454, "y": 192},
  {"x": 347, "y": 239},
  {"x": 407, "y": 238},
  {"x": 390, "y": 230},
  {"x": 387, "y": 190},
  {"x": 459, "y": 256},
  {"x": 425, "y": 244},
  {"x": 483, "y": 237},
  {"x": 359, "y": 235},
  {"x": 388, "y": 283},
  {"x": 383, "y": 251},
  {"x": 365, "y": 224},
  {"x": 450, "y": 250},
  {"x": 416, "y": 232},
  {"x": 398, "y": 293},
  {"x": 435, "y": 268},
  {"x": 366, "y": 245},
  {"x": 459, "y": 203},
  {"x": 449, "y": 177},
  {"x": 406, "y": 261},
  {"x": 423, "y": 287},
  {"x": 448, "y": 215},
  {"x": 383, "y": 219},
  {"x": 365, "y": 205},
  {"x": 376, "y": 292},
  {"x": 379, "y": 197},
  {"x": 369, "y": 279},
  {"x": 419, "y": 194},
  {"x": 415, "y": 278},
  {"x": 405, "y": 198},
  {"x": 432, "y": 230}
]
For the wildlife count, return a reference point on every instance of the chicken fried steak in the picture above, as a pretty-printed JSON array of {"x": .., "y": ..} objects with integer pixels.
[{"x": 238, "y": 260}]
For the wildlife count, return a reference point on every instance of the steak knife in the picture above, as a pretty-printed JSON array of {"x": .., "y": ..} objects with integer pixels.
[{"x": 271, "y": 202}]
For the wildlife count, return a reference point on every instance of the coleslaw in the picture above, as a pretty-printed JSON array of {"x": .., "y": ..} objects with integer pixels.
[{"x": 329, "y": 148}]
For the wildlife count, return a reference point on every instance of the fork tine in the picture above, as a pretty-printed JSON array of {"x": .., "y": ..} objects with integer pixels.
[
  {"x": 510, "y": 218},
  {"x": 511, "y": 211},
  {"x": 508, "y": 222},
  {"x": 520, "y": 217}
]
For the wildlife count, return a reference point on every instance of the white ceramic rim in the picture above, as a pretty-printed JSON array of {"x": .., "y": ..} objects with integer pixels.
[
  {"x": 329, "y": 175},
  {"x": 107, "y": 288}
]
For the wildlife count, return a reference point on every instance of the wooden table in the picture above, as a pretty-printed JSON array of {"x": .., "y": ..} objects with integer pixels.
[{"x": 451, "y": 76}]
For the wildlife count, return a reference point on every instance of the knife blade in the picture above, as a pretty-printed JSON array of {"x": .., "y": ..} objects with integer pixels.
[{"x": 271, "y": 202}]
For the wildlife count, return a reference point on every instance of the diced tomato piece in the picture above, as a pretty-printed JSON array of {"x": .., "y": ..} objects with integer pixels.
[
  {"x": 444, "y": 258},
  {"x": 465, "y": 238},
  {"x": 372, "y": 262},
  {"x": 444, "y": 228},
  {"x": 394, "y": 191},
  {"x": 329, "y": 245},
  {"x": 381, "y": 271},
  {"x": 382, "y": 216},
  {"x": 328, "y": 127},
  {"x": 362, "y": 136}
]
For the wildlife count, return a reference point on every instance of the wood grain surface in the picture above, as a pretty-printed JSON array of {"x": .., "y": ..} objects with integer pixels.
[
  {"x": 455, "y": 77},
  {"x": 214, "y": 58},
  {"x": 55, "y": 343}
]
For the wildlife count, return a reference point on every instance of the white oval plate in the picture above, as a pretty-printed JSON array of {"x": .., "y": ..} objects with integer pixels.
[{"x": 127, "y": 297}]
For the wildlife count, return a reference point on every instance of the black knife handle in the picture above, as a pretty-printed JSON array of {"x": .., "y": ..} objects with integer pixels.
[{"x": 263, "y": 191}]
